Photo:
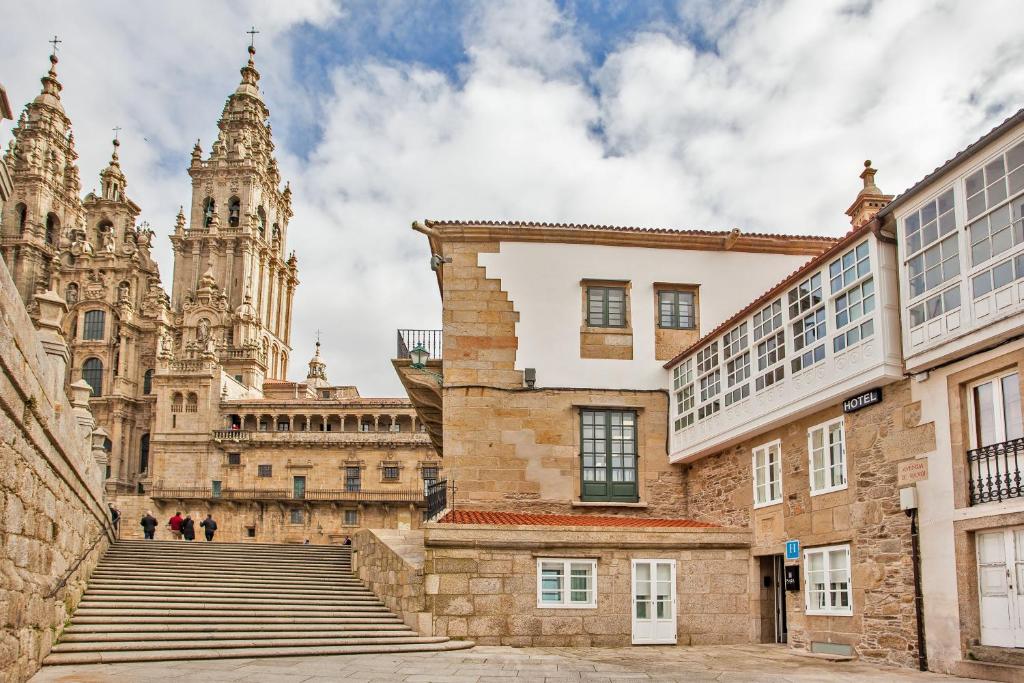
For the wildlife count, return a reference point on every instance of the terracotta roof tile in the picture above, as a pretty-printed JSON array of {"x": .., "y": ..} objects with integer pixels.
[
  {"x": 525, "y": 519},
  {"x": 619, "y": 228}
]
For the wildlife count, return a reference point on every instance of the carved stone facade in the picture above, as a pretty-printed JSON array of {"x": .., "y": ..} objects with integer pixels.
[{"x": 190, "y": 388}]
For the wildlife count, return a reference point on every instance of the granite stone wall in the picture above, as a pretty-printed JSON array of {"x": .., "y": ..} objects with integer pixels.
[
  {"x": 390, "y": 563},
  {"x": 53, "y": 521},
  {"x": 866, "y": 515}
]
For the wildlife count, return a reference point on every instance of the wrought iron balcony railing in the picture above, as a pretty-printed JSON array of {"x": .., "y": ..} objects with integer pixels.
[
  {"x": 437, "y": 498},
  {"x": 410, "y": 339},
  {"x": 994, "y": 472}
]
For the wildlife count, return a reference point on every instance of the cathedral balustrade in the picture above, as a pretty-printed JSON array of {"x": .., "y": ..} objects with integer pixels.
[
  {"x": 319, "y": 438},
  {"x": 347, "y": 422},
  {"x": 190, "y": 365}
]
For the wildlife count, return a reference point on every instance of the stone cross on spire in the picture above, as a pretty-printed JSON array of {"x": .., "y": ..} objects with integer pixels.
[
  {"x": 252, "y": 37},
  {"x": 55, "y": 42}
]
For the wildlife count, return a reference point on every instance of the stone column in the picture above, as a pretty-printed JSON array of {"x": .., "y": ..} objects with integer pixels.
[{"x": 52, "y": 309}]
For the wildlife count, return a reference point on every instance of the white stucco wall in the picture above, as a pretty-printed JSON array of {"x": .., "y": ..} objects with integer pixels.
[
  {"x": 937, "y": 515},
  {"x": 543, "y": 282}
]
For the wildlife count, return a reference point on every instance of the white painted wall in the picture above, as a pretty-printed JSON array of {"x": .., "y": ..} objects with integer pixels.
[
  {"x": 543, "y": 282},
  {"x": 937, "y": 514}
]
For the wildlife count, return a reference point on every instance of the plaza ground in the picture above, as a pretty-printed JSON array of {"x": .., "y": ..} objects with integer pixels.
[{"x": 732, "y": 664}]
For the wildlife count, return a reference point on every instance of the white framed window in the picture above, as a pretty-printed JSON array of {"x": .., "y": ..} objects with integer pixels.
[
  {"x": 768, "y": 319},
  {"x": 684, "y": 389},
  {"x": 770, "y": 354},
  {"x": 935, "y": 306},
  {"x": 734, "y": 341},
  {"x": 826, "y": 451},
  {"x": 566, "y": 583},
  {"x": 767, "y": 466},
  {"x": 995, "y": 410},
  {"x": 850, "y": 267},
  {"x": 828, "y": 584}
]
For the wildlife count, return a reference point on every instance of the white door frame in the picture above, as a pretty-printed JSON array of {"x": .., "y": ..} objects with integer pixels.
[
  {"x": 1012, "y": 635},
  {"x": 669, "y": 626}
]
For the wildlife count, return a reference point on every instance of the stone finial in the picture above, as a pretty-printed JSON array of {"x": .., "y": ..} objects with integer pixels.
[
  {"x": 870, "y": 199},
  {"x": 99, "y": 452},
  {"x": 179, "y": 221}
]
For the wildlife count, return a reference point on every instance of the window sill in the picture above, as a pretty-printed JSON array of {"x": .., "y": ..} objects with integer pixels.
[
  {"x": 822, "y": 492},
  {"x": 607, "y": 504},
  {"x": 550, "y": 606},
  {"x": 822, "y": 613},
  {"x": 590, "y": 329},
  {"x": 761, "y": 506}
]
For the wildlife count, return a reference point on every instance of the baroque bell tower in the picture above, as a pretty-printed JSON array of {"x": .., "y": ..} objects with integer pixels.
[
  {"x": 234, "y": 280},
  {"x": 45, "y": 204}
]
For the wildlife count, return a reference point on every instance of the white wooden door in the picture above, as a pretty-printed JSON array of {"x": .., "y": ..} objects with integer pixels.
[
  {"x": 654, "y": 602},
  {"x": 1001, "y": 587}
]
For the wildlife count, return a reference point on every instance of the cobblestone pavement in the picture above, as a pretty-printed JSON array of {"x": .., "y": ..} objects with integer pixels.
[{"x": 727, "y": 664}]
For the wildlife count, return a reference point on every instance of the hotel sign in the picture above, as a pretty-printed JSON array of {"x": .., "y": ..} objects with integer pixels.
[{"x": 863, "y": 400}]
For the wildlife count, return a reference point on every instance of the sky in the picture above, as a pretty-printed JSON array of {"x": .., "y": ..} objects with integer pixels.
[{"x": 689, "y": 114}]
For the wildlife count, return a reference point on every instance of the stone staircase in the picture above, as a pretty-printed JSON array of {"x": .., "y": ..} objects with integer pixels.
[{"x": 166, "y": 600}]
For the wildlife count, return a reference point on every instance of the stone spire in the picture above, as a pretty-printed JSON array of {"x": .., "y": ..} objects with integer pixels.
[
  {"x": 317, "y": 367},
  {"x": 112, "y": 180},
  {"x": 870, "y": 199},
  {"x": 46, "y": 185}
]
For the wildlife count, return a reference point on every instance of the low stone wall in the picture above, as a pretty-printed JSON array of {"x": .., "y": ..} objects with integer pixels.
[
  {"x": 52, "y": 517},
  {"x": 481, "y": 583},
  {"x": 390, "y": 563}
]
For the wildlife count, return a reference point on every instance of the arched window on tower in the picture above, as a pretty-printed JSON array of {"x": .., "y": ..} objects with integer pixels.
[
  {"x": 21, "y": 211},
  {"x": 144, "y": 454},
  {"x": 92, "y": 373},
  {"x": 191, "y": 403},
  {"x": 147, "y": 382},
  {"x": 261, "y": 221},
  {"x": 52, "y": 228},
  {"x": 209, "y": 206},
  {"x": 234, "y": 212},
  {"x": 176, "y": 401}
]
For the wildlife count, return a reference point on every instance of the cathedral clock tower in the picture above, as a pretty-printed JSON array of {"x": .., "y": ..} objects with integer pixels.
[{"x": 234, "y": 280}]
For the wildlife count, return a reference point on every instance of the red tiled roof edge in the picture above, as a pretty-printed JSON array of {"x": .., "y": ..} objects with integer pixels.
[
  {"x": 620, "y": 228},
  {"x": 527, "y": 519},
  {"x": 815, "y": 262}
]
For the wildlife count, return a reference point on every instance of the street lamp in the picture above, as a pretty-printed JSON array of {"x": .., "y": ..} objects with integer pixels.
[{"x": 419, "y": 356}]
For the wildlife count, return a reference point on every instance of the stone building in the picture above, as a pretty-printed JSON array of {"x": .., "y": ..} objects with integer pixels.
[
  {"x": 191, "y": 388},
  {"x": 791, "y": 419},
  {"x": 547, "y": 399},
  {"x": 960, "y": 239}
]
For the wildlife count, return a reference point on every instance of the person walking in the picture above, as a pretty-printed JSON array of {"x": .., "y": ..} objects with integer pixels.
[
  {"x": 210, "y": 526},
  {"x": 148, "y": 525},
  {"x": 188, "y": 527},
  {"x": 115, "y": 519},
  {"x": 175, "y": 524}
]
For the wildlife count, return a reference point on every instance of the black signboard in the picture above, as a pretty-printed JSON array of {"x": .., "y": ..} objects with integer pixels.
[
  {"x": 868, "y": 398},
  {"x": 792, "y": 577}
]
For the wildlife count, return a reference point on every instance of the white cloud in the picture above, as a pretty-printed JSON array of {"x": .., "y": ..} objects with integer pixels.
[{"x": 765, "y": 132}]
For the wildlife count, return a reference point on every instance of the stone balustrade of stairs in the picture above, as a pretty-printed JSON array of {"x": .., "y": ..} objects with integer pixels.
[{"x": 168, "y": 600}]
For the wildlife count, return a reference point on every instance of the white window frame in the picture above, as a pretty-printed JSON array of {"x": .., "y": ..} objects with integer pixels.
[
  {"x": 997, "y": 402},
  {"x": 767, "y": 449},
  {"x": 566, "y": 589},
  {"x": 825, "y": 552},
  {"x": 826, "y": 428}
]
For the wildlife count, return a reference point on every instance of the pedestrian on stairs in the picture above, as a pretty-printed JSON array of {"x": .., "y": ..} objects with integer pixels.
[
  {"x": 188, "y": 528},
  {"x": 210, "y": 526},
  {"x": 115, "y": 519},
  {"x": 148, "y": 525},
  {"x": 175, "y": 524}
]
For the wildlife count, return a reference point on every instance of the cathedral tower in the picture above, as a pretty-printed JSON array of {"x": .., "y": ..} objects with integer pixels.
[
  {"x": 45, "y": 202},
  {"x": 233, "y": 279}
]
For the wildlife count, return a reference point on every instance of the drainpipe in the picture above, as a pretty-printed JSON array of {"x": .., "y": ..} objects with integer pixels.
[{"x": 915, "y": 551}]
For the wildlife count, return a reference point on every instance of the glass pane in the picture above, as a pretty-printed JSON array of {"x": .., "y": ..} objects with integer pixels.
[
  {"x": 984, "y": 417},
  {"x": 1011, "y": 407}
]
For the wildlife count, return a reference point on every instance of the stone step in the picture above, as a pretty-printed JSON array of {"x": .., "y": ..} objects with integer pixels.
[
  {"x": 93, "y": 607},
  {"x": 157, "y": 544},
  {"x": 240, "y": 557},
  {"x": 114, "y": 589},
  {"x": 170, "y": 578},
  {"x": 233, "y": 619},
  {"x": 120, "y": 612},
  {"x": 77, "y": 631},
  {"x": 204, "y": 563},
  {"x": 311, "y": 587},
  {"x": 201, "y": 598},
  {"x": 224, "y": 643},
  {"x": 246, "y": 652}
]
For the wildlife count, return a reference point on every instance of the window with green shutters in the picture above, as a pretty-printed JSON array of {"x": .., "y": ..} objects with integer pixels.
[
  {"x": 676, "y": 310},
  {"x": 608, "y": 455},
  {"x": 606, "y": 306}
]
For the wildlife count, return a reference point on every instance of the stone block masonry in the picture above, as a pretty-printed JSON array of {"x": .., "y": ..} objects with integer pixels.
[
  {"x": 390, "y": 563},
  {"x": 54, "y": 524}
]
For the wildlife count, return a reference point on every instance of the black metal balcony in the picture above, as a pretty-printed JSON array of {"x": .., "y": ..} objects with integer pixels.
[
  {"x": 437, "y": 498},
  {"x": 410, "y": 339},
  {"x": 994, "y": 472}
]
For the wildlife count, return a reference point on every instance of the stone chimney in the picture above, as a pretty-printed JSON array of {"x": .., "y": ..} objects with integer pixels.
[{"x": 870, "y": 199}]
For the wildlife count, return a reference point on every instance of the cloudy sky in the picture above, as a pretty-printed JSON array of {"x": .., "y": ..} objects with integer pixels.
[{"x": 687, "y": 113}]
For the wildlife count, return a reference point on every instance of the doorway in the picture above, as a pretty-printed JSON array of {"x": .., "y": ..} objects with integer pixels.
[
  {"x": 1001, "y": 595},
  {"x": 773, "y": 599},
  {"x": 654, "y": 602}
]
